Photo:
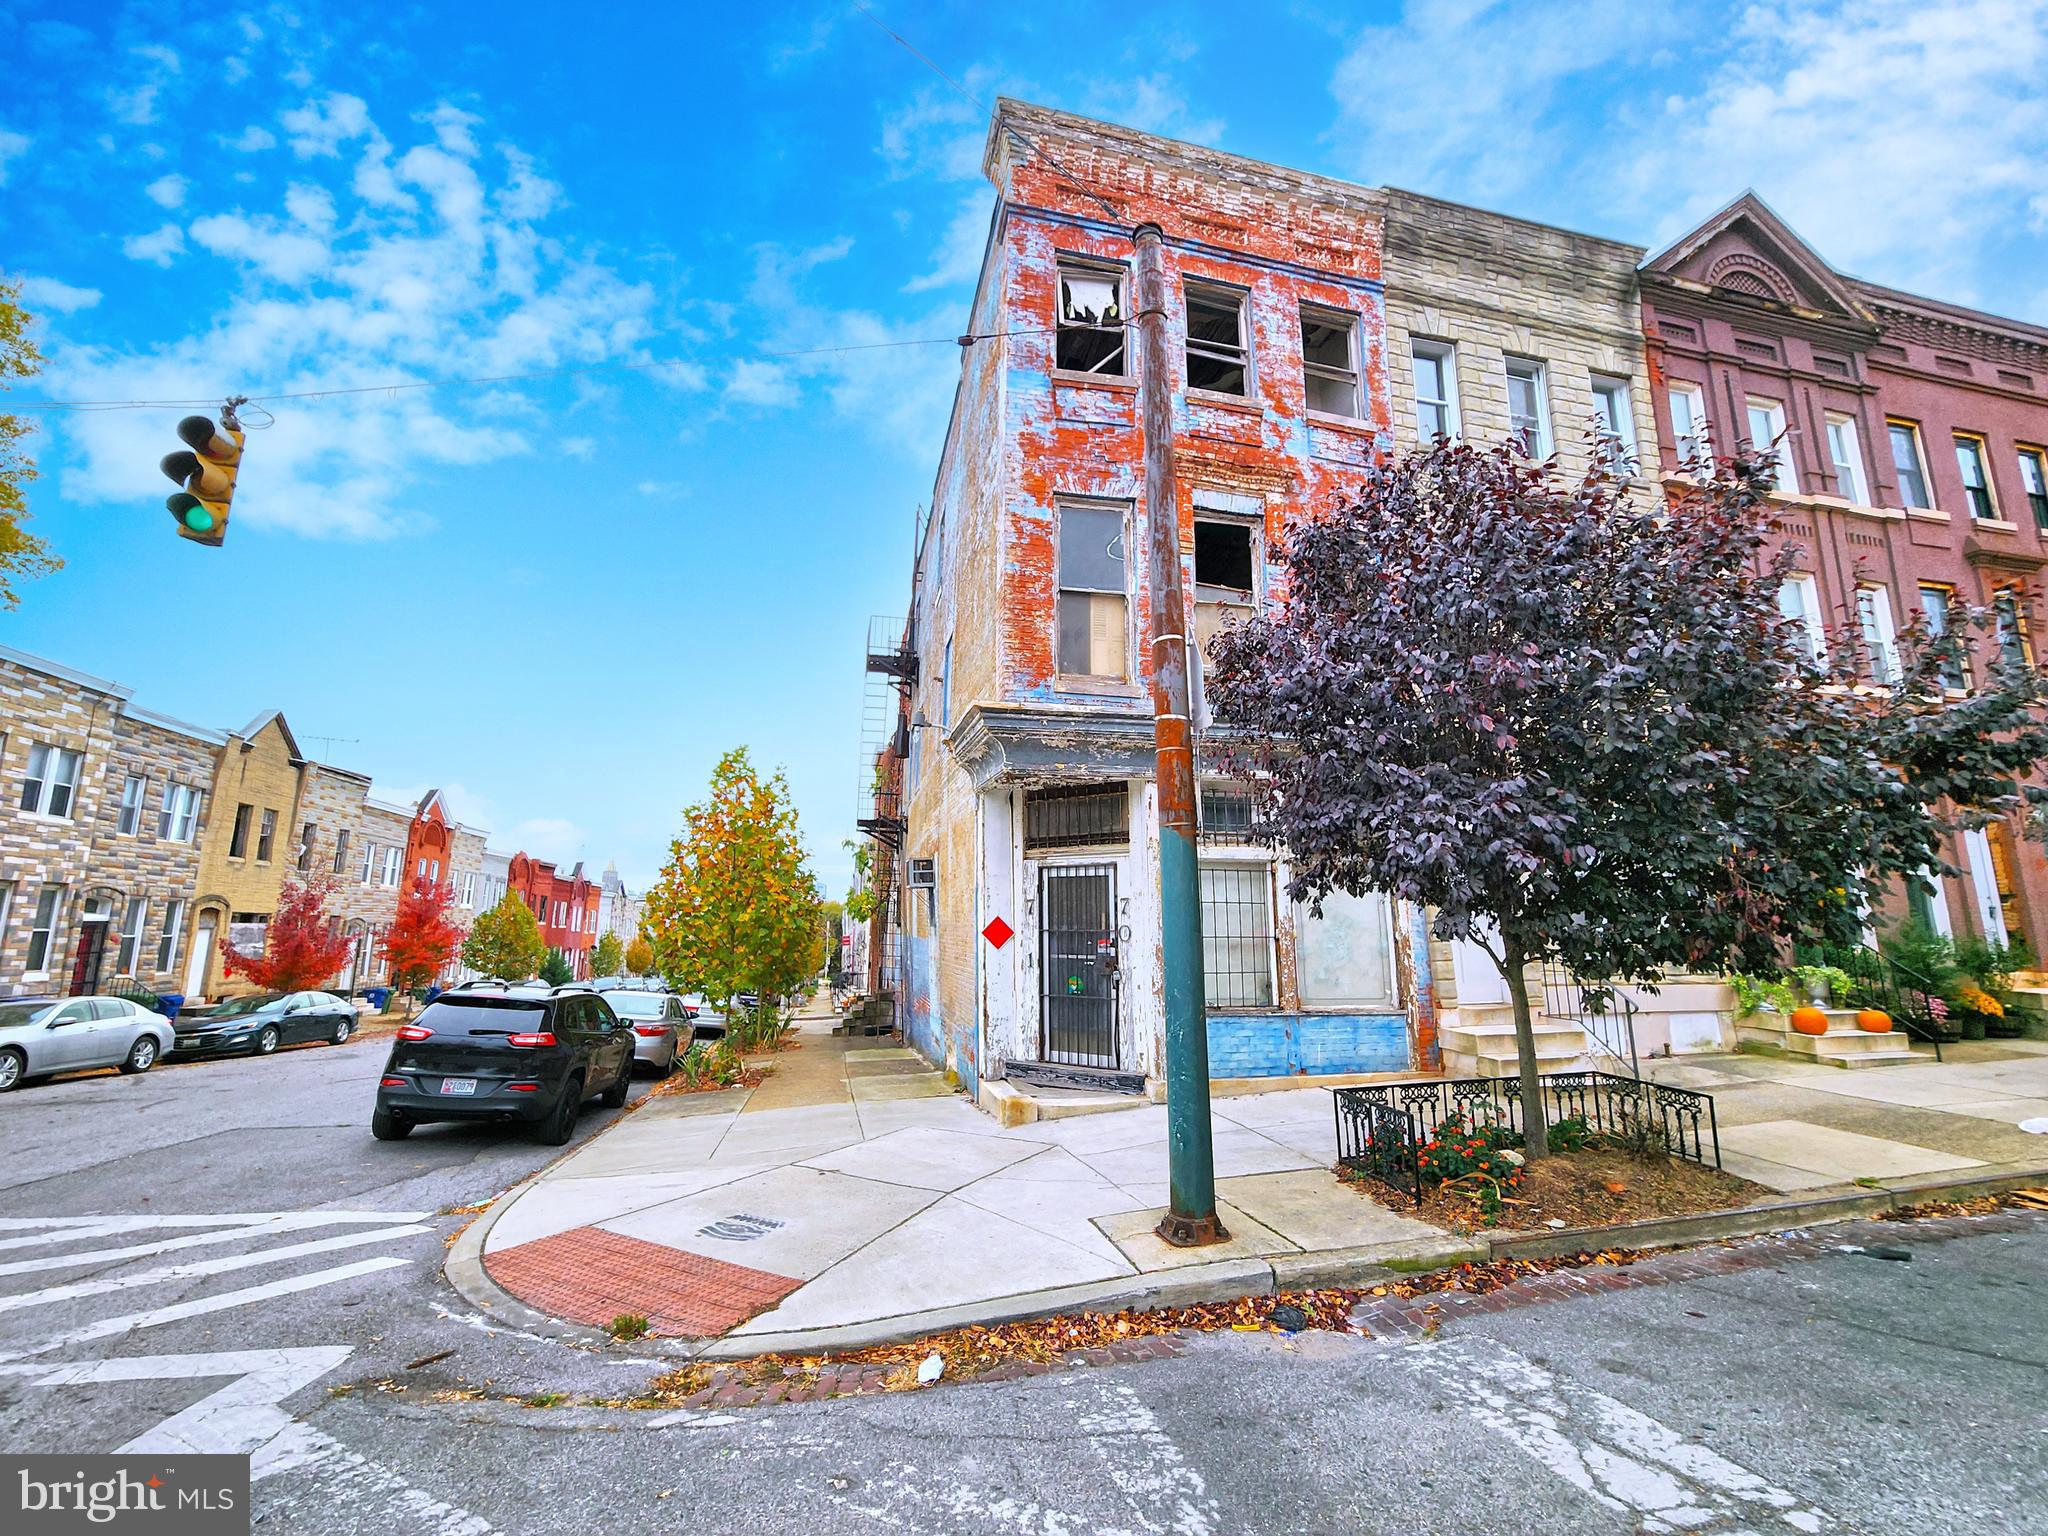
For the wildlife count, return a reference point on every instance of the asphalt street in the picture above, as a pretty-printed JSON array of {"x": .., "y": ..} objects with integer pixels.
[{"x": 308, "y": 1320}]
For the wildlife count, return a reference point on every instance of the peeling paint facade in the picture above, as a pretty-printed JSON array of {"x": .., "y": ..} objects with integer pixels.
[{"x": 1027, "y": 774}]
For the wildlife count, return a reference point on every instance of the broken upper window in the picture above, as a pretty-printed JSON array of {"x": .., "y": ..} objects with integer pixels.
[
  {"x": 1329, "y": 360},
  {"x": 1218, "y": 359},
  {"x": 1223, "y": 593},
  {"x": 1090, "y": 335},
  {"x": 1093, "y": 608}
]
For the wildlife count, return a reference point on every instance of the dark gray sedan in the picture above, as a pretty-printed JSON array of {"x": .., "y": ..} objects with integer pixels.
[
  {"x": 42, "y": 1035},
  {"x": 261, "y": 1023}
]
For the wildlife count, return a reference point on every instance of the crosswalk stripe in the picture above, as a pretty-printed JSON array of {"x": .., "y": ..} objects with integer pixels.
[
  {"x": 107, "y": 1327},
  {"x": 291, "y": 1221},
  {"x": 200, "y": 1267},
  {"x": 38, "y": 1224}
]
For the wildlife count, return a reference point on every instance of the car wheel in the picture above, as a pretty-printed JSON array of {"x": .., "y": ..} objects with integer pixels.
[
  {"x": 614, "y": 1097},
  {"x": 389, "y": 1125},
  {"x": 141, "y": 1055},
  {"x": 11, "y": 1063},
  {"x": 342, "y": 1030},
  {"x": 266, "y": 1040},
  {"x": 556, "y": 1130}
]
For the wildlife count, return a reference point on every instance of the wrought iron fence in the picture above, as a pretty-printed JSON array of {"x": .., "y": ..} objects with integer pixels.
[{"x": 1385, "y": 1126}]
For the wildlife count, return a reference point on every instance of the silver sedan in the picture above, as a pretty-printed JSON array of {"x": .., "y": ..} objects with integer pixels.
[
  {"x": 43, "y": 1035},
  {"x": 659, "y": 1023}
]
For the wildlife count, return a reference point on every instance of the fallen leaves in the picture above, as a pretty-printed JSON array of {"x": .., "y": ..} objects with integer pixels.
[{"x": 1479, "y": 1277}]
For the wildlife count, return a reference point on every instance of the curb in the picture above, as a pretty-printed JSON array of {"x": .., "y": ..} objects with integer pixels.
[{"x": 1229, "y": 1279}]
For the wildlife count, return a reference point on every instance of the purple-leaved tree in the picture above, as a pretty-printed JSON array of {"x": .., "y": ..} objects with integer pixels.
[{"x": 1570, "y": 720}]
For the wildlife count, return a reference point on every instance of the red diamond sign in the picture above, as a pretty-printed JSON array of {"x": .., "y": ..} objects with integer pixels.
[{"x": 998, "y": 932}]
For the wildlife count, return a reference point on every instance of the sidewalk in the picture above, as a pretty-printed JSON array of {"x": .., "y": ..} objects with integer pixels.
[{"x": 853, "y": 1197}]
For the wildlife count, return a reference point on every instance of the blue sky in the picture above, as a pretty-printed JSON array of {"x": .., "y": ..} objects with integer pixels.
[{"x": 562, "y": 600}]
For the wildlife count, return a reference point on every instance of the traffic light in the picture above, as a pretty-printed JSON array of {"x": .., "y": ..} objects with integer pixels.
[{"x": 205, "y": 470}]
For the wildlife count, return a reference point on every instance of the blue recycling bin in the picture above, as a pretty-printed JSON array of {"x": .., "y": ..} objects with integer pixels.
[
  {"x": 432, "y": 993},
  {"x": 168, "y": 1004},
  {"x": 378, "y": 997}
]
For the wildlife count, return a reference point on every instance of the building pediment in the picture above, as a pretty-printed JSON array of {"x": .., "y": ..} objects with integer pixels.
[{"x": 1748, "y": 254}]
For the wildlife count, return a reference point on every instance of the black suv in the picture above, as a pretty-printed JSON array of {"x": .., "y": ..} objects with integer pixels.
[{"x": 493, "y": 1056}]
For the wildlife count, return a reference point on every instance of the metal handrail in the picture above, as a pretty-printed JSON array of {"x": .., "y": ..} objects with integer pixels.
[
  {"x": 1564, "y": 997},
  {"x": 1917, "y": 1022}
]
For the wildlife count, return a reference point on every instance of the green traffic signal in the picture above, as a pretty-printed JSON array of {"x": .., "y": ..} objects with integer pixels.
[{"x": 191, "y": 511}]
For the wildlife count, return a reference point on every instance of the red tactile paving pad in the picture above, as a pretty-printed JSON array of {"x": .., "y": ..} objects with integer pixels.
[{"x": 589, "y": 1275}]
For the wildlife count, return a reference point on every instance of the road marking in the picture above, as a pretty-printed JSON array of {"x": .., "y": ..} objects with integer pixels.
[
  {"x": 200, "y": 1267},
  {"x": 244, "y": 1418},
  {"x": 108, "y": 1327},
  {"x": 258, "y": 1226},
  {"x": 1619, "y": 1457},
  {"x": 223, "y": 1218}
]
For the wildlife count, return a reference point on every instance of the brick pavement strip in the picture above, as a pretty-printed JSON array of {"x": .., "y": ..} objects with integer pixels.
[{"x": 592, "y": 1276}]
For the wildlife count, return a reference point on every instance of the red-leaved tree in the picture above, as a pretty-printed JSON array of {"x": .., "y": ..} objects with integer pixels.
[
  {"x": 423, "y": 937},
  {"x": 299, "y": 951}
]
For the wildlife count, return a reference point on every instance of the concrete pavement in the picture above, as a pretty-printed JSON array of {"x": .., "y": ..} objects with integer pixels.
[{"x": 853, "y": 1197}]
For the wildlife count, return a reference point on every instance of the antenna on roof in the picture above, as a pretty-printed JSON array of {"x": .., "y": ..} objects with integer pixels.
[{"x": 336, "y": 741}]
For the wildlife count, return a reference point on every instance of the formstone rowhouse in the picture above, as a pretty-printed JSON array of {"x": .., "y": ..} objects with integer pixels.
[{"x": 1313, "y": 324}]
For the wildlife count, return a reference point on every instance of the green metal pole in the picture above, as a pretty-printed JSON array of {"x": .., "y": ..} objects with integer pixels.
[{"x": 1190, "y": 1219}]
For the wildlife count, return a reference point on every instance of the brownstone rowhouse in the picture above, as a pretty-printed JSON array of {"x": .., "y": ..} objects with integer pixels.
[
  {"x": 105, "y": 807},
  {"x": 1913, "y": 473}
]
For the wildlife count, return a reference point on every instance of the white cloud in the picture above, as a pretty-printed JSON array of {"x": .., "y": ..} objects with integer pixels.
[
  {"x": 577, "y": 447},
  {"x": 663, "y": 490},
  {"x": 957, "y": 260},
  {"x": 159, "y": 245},
  {"x": 1899, "y": 138},
  {"x": 1454, "y": 98},
  {"x": 136, "y": 107},
  {"x": 252, "y": 138},
  {"x": 335, "y": 289},
  {"x": 163, "y": 57},
  {"x": 548, "y": 837},
  {"x": 47, "y": 295},
  {"x": 167, "y": 191},
  {"x": 938, "y": 133},
  {"x": 753, "y": 382},
  {"x": 11, "y": 145},
  {"x": 1153, "y": 104}
]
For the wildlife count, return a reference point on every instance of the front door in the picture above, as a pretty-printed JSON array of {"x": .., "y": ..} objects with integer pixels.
[
  {"x": 202, "y": 947},
  {"x": 1078, "y": 964},
  {"x": 1479, "y": 980},
  {"x": 92, "y": 948}
]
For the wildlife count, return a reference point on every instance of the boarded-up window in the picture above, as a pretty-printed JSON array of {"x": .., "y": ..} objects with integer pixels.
[
  {"x": 1094, "y": 611},
  {"x": 1344, "y": 959}
]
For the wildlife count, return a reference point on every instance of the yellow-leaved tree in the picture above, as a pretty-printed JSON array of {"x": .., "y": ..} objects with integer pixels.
[
  {"x": 737, "y": 908},
  {"x": 23, "y": 556}
]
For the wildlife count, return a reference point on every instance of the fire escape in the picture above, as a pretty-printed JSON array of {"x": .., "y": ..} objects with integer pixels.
[{"x": 891, "y": 673}]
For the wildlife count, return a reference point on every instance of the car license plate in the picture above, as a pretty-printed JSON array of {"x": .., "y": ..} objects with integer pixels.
[{"x": 458, "y": 1085}]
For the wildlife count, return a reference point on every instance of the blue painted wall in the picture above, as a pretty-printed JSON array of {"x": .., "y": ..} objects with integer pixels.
[
  {"x": 920, "y": 1003},
  {"x": 1283, "y": 1044}
]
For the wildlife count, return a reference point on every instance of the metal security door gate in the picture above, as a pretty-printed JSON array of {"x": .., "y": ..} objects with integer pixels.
[{"x": 1078, "y": 962}]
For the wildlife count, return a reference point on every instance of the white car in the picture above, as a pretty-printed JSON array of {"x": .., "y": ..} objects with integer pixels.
[{"x": 43, "y": 1035}]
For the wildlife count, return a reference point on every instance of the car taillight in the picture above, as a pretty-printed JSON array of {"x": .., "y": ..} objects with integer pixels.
[
  {"x": 543, "y": 1038},
  {"x": 651, "y": 1031},
  {"x": 414, "y": 1032},
  {"x": 522, "y": 1087},
  {"x": 392, "y": 1082}
]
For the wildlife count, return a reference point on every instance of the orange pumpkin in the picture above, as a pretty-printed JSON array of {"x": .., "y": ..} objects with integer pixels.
[
  {"x": 1809, "y": 1021},
  {"x": 1875, "y": 1020}
]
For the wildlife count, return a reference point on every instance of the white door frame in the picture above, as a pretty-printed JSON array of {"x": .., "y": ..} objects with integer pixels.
[{"x": 203, "y": 929}]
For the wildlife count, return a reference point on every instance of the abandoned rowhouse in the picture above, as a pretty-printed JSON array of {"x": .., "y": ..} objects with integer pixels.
[{"x": 1014, "y": 815}]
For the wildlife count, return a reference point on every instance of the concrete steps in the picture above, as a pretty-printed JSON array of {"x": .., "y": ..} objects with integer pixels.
[
  {"x": 1844, "y": 1045},
  {"x": 1480, "y": 1042}
]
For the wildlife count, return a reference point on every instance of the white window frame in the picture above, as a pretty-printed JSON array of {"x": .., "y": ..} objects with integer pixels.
[
  {"x": 129, "y": 952},
  {"x": 1351, "y": 376},
  {"x": 1691, "y": 438},
  {"x": 1445, "y": 355},
  {"x": 1919, "y": 467},
  {"x": 1239, "y": 353},
  {"x": 368, "y": 865},
  {"x": 134, "y": 790},
  {"x": 1809, "y": 614},
  {"x": 266, "y": 836},
  {"x": 1845, "y": 451},
  {"x": 167, "y": 941},
  {"x": 1122, "y": 512},
  {"x": 48, "y": 925},
  {"x": 1616, "y": 404},
  {"x": 394, "y": 862},
  {"x": 1262, "y": 865},
  {"x": 178, "y": 813},
  {"x": 51, "y": 768},
  {"x": 1956, "y": 680},
  {"x": 1538, "y": 375},
  {"x": 1880, "y": 633},
  {"x": 1118, "y": 365},
  {"x": 1979, "y": 451},
  {"x": 1785, "y": 476}
]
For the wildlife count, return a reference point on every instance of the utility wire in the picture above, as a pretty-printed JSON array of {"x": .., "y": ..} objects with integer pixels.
[{"x": 396, "y": 386}]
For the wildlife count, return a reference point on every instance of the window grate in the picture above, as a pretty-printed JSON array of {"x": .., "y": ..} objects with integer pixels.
[
  {"x": 1077, "y": 816},
  {"x": 1228, "y": 813},
  {"x": 1237, "y": 936}
]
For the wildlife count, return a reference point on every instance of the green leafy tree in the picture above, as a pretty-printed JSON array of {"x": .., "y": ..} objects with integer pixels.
[
  {"x": 506, "y": 941},
  {"x": 737, "y": 908},
  {"x": 607, "y": 955},
  {"x": 639, "y": 958},
  {"x": 1570, "y": 720},
  {"x": 23, "y": 556},
  {"x": 555, "y": 968}
]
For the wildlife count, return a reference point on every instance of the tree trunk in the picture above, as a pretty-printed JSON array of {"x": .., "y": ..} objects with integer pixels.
[{"x": 1535, "y": 1132}]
